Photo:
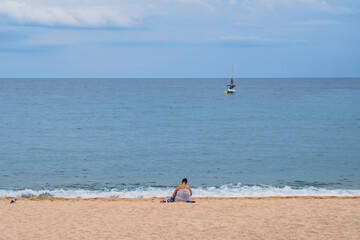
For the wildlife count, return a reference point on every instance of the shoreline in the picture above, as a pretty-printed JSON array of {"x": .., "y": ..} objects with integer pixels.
[
  {"x": 223, "y": 191},
  {"x": 194, "y": 198},
  {"x": 310, "y": 217}
]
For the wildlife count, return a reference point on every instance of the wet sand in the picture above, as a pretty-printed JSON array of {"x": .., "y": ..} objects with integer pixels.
[{"x": 208, "y": 218}]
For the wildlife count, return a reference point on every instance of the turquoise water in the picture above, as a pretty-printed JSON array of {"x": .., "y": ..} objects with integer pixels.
[{"x": 82, "y": 137}]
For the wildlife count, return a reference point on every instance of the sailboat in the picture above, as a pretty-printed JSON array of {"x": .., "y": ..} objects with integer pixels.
[{"x": 231, "y": 87}]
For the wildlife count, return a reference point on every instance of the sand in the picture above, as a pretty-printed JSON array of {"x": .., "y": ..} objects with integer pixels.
[{"x": 208, "y": 218}]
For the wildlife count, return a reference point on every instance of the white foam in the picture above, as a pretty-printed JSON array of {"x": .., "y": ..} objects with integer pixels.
[{"x": 223, "y": 191}]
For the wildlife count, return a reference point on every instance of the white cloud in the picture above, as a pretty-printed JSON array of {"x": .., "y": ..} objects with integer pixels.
[
  {"x": 310, "y": 5},
  {"x": 78, "y": 14},
  {"x": 91, "y": 13},
  {"x": 246, "y": 24},
  {"x": 254, "y": 39},
  {"x": 127, "y": 13},
  {"x": 240, "y": 38},
  {"x": 203, "y": 3},
  {"x": 316, "y": 22}
]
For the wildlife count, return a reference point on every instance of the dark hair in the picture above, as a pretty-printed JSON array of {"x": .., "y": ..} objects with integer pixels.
[{"x": 184, "y": 180}]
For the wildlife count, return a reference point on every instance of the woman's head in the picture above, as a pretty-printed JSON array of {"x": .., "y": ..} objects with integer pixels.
[{"x": 184, "y": 181}]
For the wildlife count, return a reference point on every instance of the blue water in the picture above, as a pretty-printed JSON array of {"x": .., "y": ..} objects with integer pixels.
[{"x": 126, "y": 135}]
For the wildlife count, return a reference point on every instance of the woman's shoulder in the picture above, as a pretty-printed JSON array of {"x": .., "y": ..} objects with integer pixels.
[{"x": 183, "y": 187}]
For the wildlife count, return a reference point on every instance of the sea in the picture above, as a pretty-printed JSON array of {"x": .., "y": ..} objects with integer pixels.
[{"x": 138, "y": 138}]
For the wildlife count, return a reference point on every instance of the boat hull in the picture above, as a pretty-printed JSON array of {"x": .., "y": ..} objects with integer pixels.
[{"x": 231, "y": 91}]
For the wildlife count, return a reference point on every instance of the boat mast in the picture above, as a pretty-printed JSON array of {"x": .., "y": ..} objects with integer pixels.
[{"x": 232, "y": 76}]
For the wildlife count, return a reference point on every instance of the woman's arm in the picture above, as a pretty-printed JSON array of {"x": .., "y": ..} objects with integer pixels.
[
  {"x": 175, "y": 191},
  {"x": 190, "y": 191}
]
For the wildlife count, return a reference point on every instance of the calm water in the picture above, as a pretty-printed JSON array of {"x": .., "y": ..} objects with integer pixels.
[{"x": 143, "y": 135}]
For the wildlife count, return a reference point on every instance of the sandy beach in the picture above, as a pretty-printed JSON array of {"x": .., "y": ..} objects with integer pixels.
[{"x": 208, "y": 218}]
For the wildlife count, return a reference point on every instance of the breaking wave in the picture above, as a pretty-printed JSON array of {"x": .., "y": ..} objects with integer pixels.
[{"x": 237, "y": 190}]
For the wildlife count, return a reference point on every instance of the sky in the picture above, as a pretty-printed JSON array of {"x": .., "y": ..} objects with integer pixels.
[{"x": 179, "y": 38}]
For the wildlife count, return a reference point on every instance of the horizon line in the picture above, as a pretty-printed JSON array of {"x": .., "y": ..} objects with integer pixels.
[{"x": 1, "y": 78}]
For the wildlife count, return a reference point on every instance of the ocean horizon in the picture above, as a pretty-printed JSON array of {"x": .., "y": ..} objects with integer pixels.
[{"x": 137, "y": 138}]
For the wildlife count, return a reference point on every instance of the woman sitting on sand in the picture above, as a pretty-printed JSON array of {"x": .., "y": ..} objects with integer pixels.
[{"x": 182, "y": 193}]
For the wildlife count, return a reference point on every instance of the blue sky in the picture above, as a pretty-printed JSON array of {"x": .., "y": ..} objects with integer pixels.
[{"x": 179, "y": 38}]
